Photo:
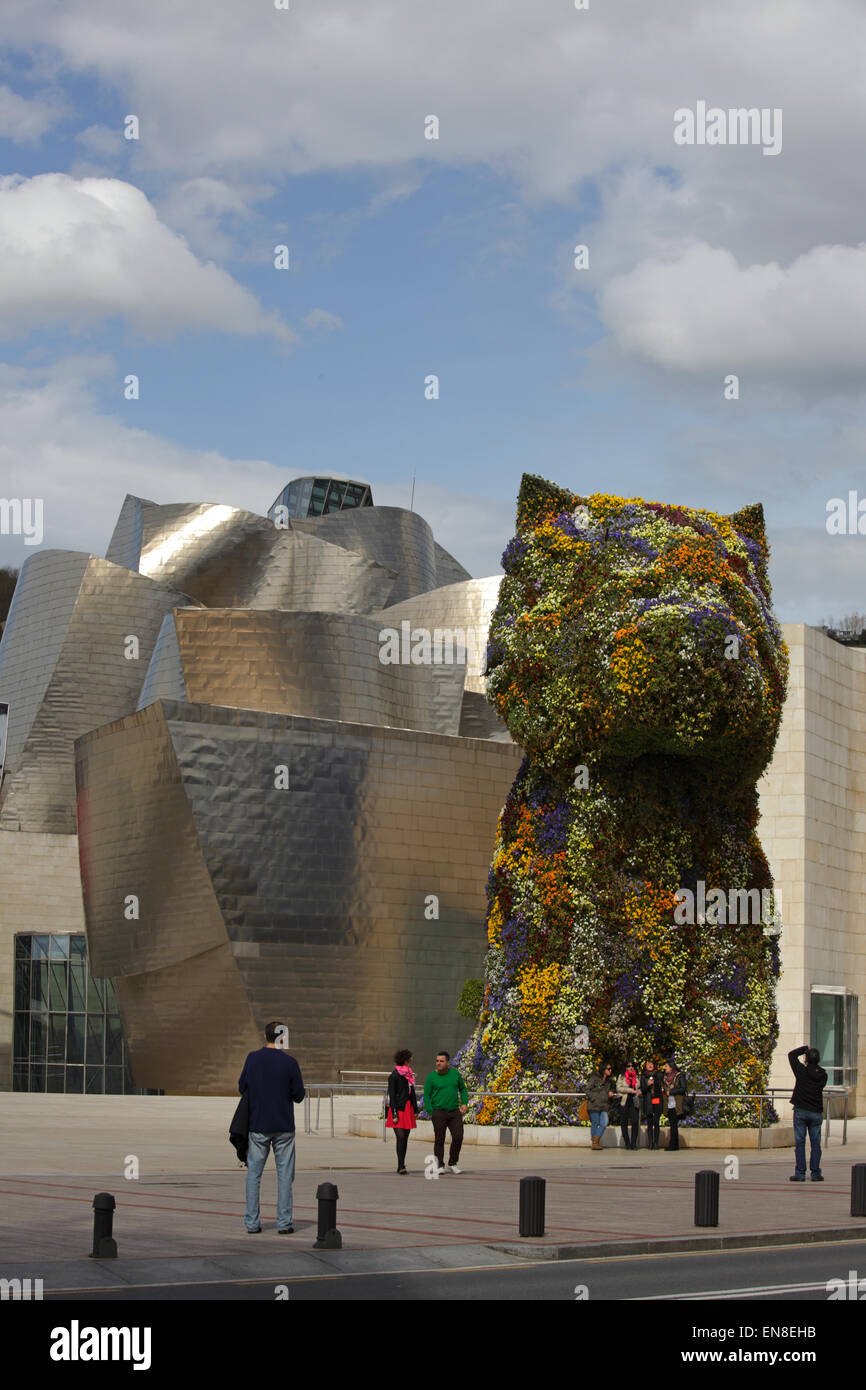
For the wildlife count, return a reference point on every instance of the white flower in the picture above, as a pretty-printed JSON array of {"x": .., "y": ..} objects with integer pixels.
[{"x": 581, "y": 518}]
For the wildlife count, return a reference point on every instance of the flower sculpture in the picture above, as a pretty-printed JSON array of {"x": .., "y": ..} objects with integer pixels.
[{"x": 634, "y": 656}]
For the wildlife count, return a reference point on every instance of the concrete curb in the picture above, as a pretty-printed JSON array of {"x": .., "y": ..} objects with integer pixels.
[{"x": 675, "y": 1245}]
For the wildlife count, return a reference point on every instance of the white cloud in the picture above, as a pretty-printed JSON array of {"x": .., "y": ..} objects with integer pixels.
[
  {"x": 544, "y": 95},
  {"x": 816, "y": 576},
  {"x": 56, "y": 443},
  {"x": 78, "y": 250},
  {"x": 322, "y": 321},
  {"x": 702, "y": 312},
  {"x": 24, "y": 120}
]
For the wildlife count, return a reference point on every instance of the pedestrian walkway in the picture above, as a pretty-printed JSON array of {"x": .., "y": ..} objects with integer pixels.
[{"x": 181, "y": 1218}]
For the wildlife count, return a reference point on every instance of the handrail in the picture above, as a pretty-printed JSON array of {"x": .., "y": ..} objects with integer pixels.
[{"x": 356, "y": 1088}]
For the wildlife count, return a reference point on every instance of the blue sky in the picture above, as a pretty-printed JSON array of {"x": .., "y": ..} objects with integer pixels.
[{"x": 452, "y": 257}]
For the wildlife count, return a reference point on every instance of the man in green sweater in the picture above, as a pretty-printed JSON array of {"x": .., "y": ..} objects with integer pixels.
[{"x": 446, "y": 1099}]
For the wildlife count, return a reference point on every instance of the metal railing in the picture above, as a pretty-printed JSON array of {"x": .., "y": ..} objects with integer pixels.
[
  {"x": 364, "y": 1088},
  {"x": 330, "y": 1088}
]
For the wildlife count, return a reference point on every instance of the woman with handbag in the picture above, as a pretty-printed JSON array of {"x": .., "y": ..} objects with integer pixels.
[
  {"x": 599, "y": 1094},
  {"x": 402, "y": 1105},
  {"x": 627, "y": 1088},
  {"x": 674, "y": 1087},
  {"x": 651, "y": 1102}
]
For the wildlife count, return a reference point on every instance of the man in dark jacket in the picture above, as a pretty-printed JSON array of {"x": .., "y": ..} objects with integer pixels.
[
  {"x": 808, "y": 1102},
  {"x": 274, "y": 1082}
]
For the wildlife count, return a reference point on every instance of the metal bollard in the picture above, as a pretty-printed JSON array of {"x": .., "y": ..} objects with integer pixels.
[
  {"x": 532, "y": 1192},
  {"x": 104, "y": 1247},
  {"x": 328, "y": 1237},
  {"x": 858, "y": 1189},
  {"x": 706, "y": 1197}
]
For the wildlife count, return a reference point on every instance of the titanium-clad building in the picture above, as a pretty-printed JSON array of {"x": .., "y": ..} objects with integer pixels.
[{"x": 212, "y": 772}]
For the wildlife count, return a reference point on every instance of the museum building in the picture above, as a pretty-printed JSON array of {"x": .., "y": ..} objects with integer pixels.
[{"x": 220, "y": 806}]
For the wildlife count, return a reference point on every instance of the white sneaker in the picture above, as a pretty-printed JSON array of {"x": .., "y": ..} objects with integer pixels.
[
  {"x": 454, "y": 1169},
  {"x": 442, "y": 1170}
]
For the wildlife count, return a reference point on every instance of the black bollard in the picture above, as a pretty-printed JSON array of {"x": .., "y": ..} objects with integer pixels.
[
  {"x": 858, "y": 1189},
  {"x": 328, "y": 1237},
  {"x": 532, "y": 1206},
  {"x": 706, "y": 1197},
  {"x": 104, "y": 1247}
]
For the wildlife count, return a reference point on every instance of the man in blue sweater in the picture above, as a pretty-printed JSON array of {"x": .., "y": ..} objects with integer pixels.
[{"x": 274, "y": 1082}]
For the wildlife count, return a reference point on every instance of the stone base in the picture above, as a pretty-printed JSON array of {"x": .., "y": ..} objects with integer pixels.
[{"x": 779, "y": 1136}]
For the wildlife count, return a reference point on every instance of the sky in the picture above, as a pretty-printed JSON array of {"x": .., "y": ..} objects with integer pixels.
[{"x": 306, "y": 126}]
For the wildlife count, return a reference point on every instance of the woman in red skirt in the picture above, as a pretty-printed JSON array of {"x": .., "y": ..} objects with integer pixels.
[{"x": 402, "y": 1104}]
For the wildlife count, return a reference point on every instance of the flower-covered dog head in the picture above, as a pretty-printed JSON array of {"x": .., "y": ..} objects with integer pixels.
[{"x": 627, "y": 627}]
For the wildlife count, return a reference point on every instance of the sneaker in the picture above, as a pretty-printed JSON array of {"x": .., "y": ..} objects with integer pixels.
[
  {"x": 817, "y": 1177},
  {"x": 452, "y": 1168},
  {"x": 286, "y": 1231},
  {"x": 401, "y": 1172},
  {"x": 440, "y": 1171},
  {"x": 256, "y": 1231},
  {"x": 795, "y": 1178}
]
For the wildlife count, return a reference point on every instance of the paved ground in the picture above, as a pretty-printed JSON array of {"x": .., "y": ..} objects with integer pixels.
[{"x": 180, "y": 1220}]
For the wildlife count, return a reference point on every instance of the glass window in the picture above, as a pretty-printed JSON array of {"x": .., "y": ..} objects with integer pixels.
[
  {"x": 336, "y": 493},
  {"x": 54, "y": 1078},
  {"x": 39, "y": 986},
  {"x": 77, "y": 988},
  {"x": 95, "y": 1039},
  {"x": 56, "y": 1037},
  {"x": 22, "y": 981},
  {"x": 59, "y": 996},
  {"x": 38, "y": 1037},
  {"x": 113, "y": 1041},
  {"x": 834, "y": 1033},
  {"x": 75, "y": 1032},
  {"x": 95, "y": 995},
  {"x": 21, "y": 1043},
  {"x": 67, "y": 1032}
]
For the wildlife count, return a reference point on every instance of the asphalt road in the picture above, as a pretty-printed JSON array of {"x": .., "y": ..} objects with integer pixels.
[{"x": 797, "y": 1273}]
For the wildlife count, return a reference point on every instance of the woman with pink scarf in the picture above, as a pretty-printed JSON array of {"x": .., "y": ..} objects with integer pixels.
[
  {"x": 402, "y": 1104},
  {"x": 627, "y": 1088}
]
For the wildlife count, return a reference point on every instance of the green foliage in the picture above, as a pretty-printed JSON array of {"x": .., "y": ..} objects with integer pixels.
[
  {"x": 469, "y": 1003},
  {"x": 633, "y": 640}
]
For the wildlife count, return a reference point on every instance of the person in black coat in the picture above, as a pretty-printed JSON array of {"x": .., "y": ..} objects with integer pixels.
[
  {"x": 808, "y": 1103},
  {"x": 402, "y": 1104},
  {"x": 651, "y": 1102}
]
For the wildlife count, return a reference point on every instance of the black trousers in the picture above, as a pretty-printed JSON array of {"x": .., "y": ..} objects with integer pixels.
[
  {"x": 630, "y": 1126},
  {"x": 652, "y": 1131},
  {"x": 673, "y": 1121},
  {"x": 451, "y": 1120}
]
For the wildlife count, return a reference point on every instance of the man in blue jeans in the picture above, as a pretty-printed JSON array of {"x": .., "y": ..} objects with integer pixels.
[
  {"x": 274, "y": 1082},
  {"x": 808, "y": 1102}
]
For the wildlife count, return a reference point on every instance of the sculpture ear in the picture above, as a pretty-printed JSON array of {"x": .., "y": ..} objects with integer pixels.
[
  {"x": 538, "y": 499},
  {"x": 750, "y": 521}
]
